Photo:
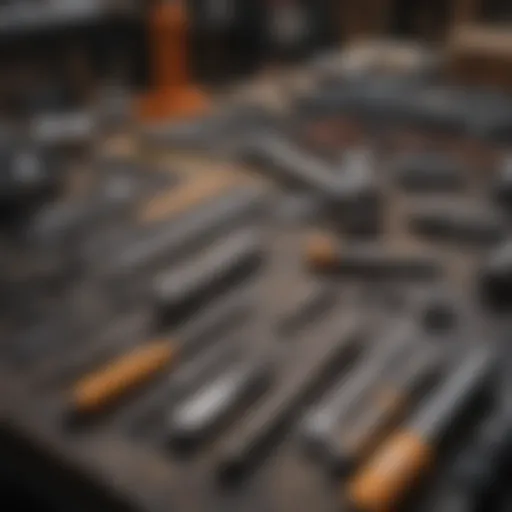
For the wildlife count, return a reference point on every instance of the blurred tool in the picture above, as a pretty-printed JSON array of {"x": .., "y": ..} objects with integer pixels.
[
  {"x": 173, "y": 96},
  {"x": 398, "y": 394},
  {"x": 323, "y": 253},
  {"x": 457, "y": 222},
  {"x": 331, "y": 356},
  {"x": 210, "y": 407},
  {"x": 192, "y": 193},
  {"x": 106, "y": 385},
  {"x": 96, "y": 391},
  {"x": 290, "y": 165},
  {"x": 310, "y": 304},
  {"x": 338, "y": 406},
  {"x": 398, "y": 464},
  {"x": 165, "y": 243},
  {"x": 179, "y": 292},
  {"x": 430, "y": 172}
]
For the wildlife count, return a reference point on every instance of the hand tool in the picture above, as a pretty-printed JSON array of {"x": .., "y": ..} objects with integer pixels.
[
  {"x": 309, "y": 305},
  {"x": 397, "y": 394},
  {"x": 96, "y": 391},
  {"x": 198, "y": 416},
  {"x": 457, "y": 223},
  {"x": 331, "y": 356},
  {"x": 395, "y": 467},
  {"x": 339, "y": 404},
  {"x": 233, "y": 259},
  {"x": 372, "y": 260},
  {"x": 178, "y": 237},
  {"x": 429, "y": 172}
]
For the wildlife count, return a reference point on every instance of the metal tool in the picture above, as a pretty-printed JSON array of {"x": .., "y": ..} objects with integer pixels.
[
  {"x": 210, "y": 407},
  {"x": 233, "y": 259},
  {"x": 312, "y": 302},
  {"x": 429, "y": 172},
  {"x": 331, "y": 356},
  {"x": 339, "y": 404},
  {"x": 372, "y": 260},
  {"x": 397, "y": 395},
  {"x": 96, "y": 391},
  {"x": 404, "y": 458},
  {"x": 458, "y": 223}
]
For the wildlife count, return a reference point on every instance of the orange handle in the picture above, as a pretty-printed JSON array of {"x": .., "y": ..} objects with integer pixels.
[
  {"x": 99, "y": 389},
  {"x": 382, "y": 483}
]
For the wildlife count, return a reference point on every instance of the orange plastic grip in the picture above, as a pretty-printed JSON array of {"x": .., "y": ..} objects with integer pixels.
[
  {"x": 381, "y": 484},
  {"x": 96, "y": 391}
]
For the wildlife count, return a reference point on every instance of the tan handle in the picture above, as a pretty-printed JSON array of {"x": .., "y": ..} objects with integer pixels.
[
  {"x": 382, "y": 482},
  {"x": 191, "y": 194},
  {"x": 97, "y": 390}
]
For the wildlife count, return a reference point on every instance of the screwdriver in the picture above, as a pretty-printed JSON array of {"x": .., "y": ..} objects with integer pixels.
[
  {"x": 459, "y": 223},
  {"x": 221, "y": 328},
  {"x": 368, "y": 260},
  {"x": 96, "y": 391},
  {"x": 145, "y": 416},
  {"x": 388, "y": 405},
  {"x": 233, "y": 259},
  {"x": 208, "y": 409},
  {"x": 175, "y": 239},
  {"x": 405, "y": 457},
  {"x": 339, "y": 403},
  {"x": 301, "y": 382}
]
